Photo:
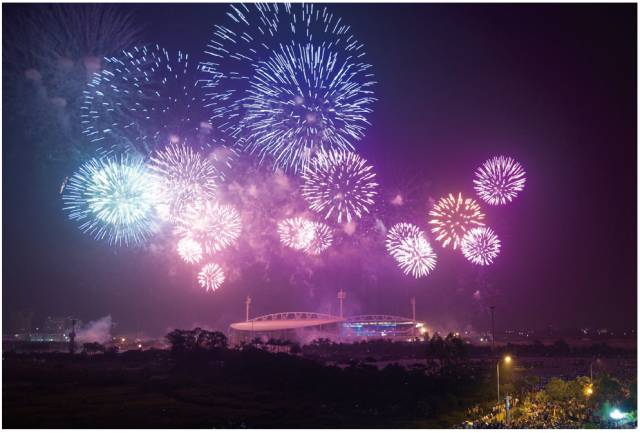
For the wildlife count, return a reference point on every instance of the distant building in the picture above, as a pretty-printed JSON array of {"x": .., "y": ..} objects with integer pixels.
[
  {"x": 59, "y": 325},
  {"x": 20, "y": 322}
]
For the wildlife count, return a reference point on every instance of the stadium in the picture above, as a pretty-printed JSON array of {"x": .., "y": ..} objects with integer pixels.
[{"x": 303, "y": 327}]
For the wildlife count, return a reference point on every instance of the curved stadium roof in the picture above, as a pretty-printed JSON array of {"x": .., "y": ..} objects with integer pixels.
[
  {"x": 282, "y": 321},
  {"x": 299, "y": 320}
]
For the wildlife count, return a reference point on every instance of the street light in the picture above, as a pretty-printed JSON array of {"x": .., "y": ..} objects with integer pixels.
[
  {"x": 588, "y": 391},
  {"x": 507, "y": 360},
  {"x": 617, "y": 415}
]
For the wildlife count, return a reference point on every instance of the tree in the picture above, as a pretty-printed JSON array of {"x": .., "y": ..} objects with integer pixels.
[
  {"x": 455, "y": 348},
  {"x": 436, "y": 346},
  {"x": 557, "y": 389},
  {"x": 94, "y": 347},
  {"x": 211, "y": 340},
  {"x": 181, "y": 340},
  {"x": 560, "y": 348},
  {"x": 608, "y": 388}
]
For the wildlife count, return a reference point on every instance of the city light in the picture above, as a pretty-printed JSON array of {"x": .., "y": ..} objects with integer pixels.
[
  {"x": 507, "y": 359},
  {"x": 615, "y": 414}
]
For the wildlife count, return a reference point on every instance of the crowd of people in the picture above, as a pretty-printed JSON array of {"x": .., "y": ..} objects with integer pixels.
[{"x": 532, "y": 413}]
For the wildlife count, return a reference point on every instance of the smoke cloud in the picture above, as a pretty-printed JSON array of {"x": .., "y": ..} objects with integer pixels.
[{"x": 98, "y": 331}]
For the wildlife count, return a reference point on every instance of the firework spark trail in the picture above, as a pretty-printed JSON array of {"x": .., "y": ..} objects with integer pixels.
[
  {"x": 452, "y": 216},
  {"x": 340, "y": 185},
  {"x": 215, "y": 226},
  {"x": 499, "y": 180},
  {"x": 408, "y": 245},
  {"x": 111, "y": 198},
  {"x": 145, "y": 98},
  {"x": 50, "y": 37},
  {"x": 285, "y": 81},
  {"x": 211, "y": 277},
  {"x": 183, "y": 178},
  {"x": 50, "y": 52},
  {"x": 189, "y": 250},
  {"x": 480, "y": 246}
]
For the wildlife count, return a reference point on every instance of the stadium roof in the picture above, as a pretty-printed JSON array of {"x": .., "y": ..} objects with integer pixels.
[{"x": 282, "y": 321}]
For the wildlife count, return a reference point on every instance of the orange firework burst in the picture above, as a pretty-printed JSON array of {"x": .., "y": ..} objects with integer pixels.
[{"x": 452, "y": 217}]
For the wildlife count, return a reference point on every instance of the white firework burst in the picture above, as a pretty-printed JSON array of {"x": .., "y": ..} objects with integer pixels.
[
  {"x": 499, "y": 180},
  {"x": 183, "y": 178},
  {"x": 480, "y": 246},
  {"x": 296, "y": 233},
  {"x": 408, "y": 245},
  {"x": 301, "y": 100},
  {"x": 340, "y": 185},
  {"x": 145, "y": 98},
  {"x": 321, "y": 240},
  {"x": 190, "y": 250},
  {"x": 215, "y": 226},
  {"x": 211, "y": 277},
  {"x": 285, "y": 80},
  {"x": 111, "y": 198}
]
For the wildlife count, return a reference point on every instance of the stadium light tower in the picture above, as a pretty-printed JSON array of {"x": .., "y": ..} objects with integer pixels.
[
  {"x": 72, "y": 337},
  {"x": 413, "y": 308},
  {"x": 341, "y": 296},
  {"x": 413, "y": 311},
  {"x": 247, "y": 303},
  {"x": 493, "y": 329}
]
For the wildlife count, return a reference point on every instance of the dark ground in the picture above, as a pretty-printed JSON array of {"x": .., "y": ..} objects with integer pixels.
[{"x": 233, "y": 390}]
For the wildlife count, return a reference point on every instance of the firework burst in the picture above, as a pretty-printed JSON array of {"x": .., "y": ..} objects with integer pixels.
[
  {"x": 214, "y": 225},
  {"x": 183, "y": 178},
  {"x": 285, "y": 80},
  {"x": 190, "y": 250},
  {"x": 111, "y": 198},
  {"x": 211, "y": 277},
  {"x": 340, "y": 185},
  {"x": 302, "y": 100},
  {"x": 451, "y": 217},
  {"x": 499, "y": 180},
  {"x": 480, "y": 246},
  {"x": 296, "y": 233},
  {"x": 143, "y": 99},
  {"x": 408, "y": 245},
  {"x": 322, "y": 239}
]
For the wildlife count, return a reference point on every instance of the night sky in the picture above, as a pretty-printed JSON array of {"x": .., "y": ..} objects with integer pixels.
[{"x": 553, "y": 86}]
